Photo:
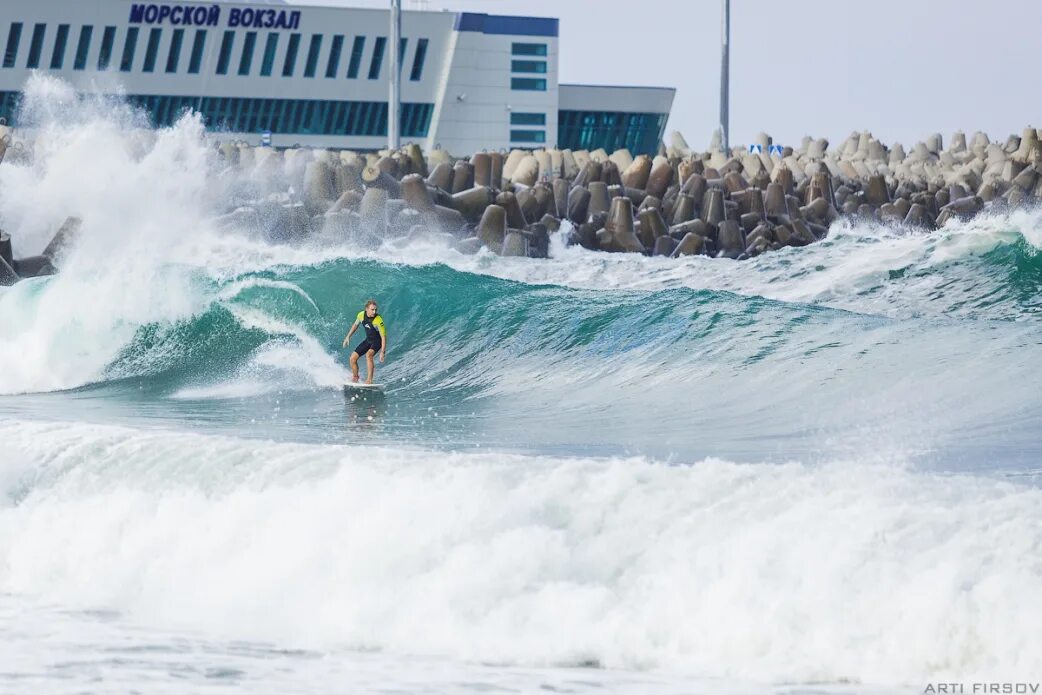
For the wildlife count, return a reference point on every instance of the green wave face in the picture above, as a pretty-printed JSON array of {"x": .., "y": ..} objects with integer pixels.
[{"x": 476, "y": 360}]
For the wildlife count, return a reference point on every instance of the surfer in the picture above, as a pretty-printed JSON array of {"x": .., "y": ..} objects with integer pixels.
[{"x": 375, "y": 340}]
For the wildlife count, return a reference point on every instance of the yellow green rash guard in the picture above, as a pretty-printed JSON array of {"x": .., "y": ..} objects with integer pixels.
[{"x": 374, "y": 329}]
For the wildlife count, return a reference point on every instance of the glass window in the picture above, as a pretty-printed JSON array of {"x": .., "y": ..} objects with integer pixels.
[
  {"x": 152, "y": 49},
  {"x": 313, "y": 50},
  {"x": 83, "y": 47},
  {"x": 417, "y": 60},
  {"x": 36, "y": 46},
  {"x": 529, "y": 49},
  {"x": 528, "y": 136},
  {"x": 530, "y": 84},
  {"x": 173, "y": 56},
  {"x": 333, "y": 64},
  {"x": 270, "y": 46},
  {"x": 14, "y": 37},
  {"x": 356, "y": 57},
  {"x": 527, "y": 118},
  {"x": 60, "y": 40},
  {"x": 126, "y": 61},
  {"x": 528, "y": 66},
  {"x": 108, "y": 39},
  {"x": 195, "y": 63},
  {"x": 290, "y": 64},
  {"x": 401, "y": 53},
  {"x": 224, "y": 56},
  {"x": 246, "y": 59},
  {"x": 378, "y": 57}
]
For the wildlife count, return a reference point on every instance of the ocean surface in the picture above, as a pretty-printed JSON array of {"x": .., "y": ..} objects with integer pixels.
[{"x": 817, "y": 471}]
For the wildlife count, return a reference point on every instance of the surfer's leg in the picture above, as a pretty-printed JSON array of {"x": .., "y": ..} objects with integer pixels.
[
  {"x": 370, "y": 366},
  {"x": 354, "y": 366}
]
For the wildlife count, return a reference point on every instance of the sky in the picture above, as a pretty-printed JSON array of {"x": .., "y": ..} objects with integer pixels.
[{"x": 901, "y": 69}]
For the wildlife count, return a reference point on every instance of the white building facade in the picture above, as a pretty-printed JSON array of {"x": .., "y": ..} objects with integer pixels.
[{"x": 318, "y": 76}]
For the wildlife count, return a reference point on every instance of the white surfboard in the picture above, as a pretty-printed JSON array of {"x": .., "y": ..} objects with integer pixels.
[{"x": 361, "y": 386}]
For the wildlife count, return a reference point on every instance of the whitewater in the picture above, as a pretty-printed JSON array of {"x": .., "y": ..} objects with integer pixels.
[{"x": 813, "y": 471}]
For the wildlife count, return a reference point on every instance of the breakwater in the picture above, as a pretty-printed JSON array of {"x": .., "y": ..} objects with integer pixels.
[{"x": 735, "y": 204}]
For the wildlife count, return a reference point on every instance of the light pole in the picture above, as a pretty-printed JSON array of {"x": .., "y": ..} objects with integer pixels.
[
  {"x": 725, "y": 59},
  {"x": 395, "y": 97}
]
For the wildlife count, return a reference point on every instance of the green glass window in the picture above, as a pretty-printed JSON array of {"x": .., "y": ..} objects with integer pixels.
[
  {"x": 173, "y": 56},
  {"x": 333, "y": 64},
  {"x": 528, "y": 136},
  {"x": 418, "y": 59},
  {"x": 356, "y": 57},
  {"x": 195, "y": 62},
  {"x": 151, "y": 50},
  {"x": 270, "y": 46},
  {"x": 36, "y": 46},
  {"x": 14, "y": 37},
  {"x": 60, "y": 41},
  {"x": 246, "y": 59},
  {"x": 126, "y": 61},
  {"x": 530, "y": 84},
  {"x": 538, "y": 66},
  {"x": 108, "y": 39},
  {"x": 83, "y": 48},
  {"x": 314, "y": 48},
  {"x": 378, "y": 57},
  {"x": 529, "y": 49},
  {"x": 290, "y": 63},
  {"x": 224, "y": 56},
  {"x": 527, "y": 118}
]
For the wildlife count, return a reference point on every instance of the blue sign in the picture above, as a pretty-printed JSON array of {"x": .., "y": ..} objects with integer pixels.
[
  {"x": 755, "y": 149},
  {"x": 265, "y": 138},
  {"x": 776, "y": 149},
  {"x": 210, "y": 16}
]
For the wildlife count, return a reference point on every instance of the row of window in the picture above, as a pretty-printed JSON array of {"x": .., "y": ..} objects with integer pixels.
[
  {"x": 225, "y": 55},
  {"x": 528, "y": 84},
  {"x": 638, "y": 132},
  {"x": 287, "y": 116}
]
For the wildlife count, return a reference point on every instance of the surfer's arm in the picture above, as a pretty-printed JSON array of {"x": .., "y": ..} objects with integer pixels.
[
  {"x": 354, "y": 327},
  {"x": 383, "y": 339}
]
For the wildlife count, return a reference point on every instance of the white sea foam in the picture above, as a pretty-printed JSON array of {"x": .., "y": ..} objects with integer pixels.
[{"x": 789, "y": 572}]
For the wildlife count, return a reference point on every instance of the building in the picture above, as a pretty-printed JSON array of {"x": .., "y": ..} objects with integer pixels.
[{"x": 318, "y": 76}]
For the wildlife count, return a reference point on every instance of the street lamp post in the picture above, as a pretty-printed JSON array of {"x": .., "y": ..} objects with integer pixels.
[
  {"x": 725, "y": 59},
  {"x": 395, "y": 97}
]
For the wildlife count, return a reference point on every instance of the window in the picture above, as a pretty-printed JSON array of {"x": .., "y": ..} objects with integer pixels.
[
  {"x": 270, "y": 46},
  {"x": 60, "y": 40},
  {"x": 14, "y": 37},
  {"x": 225, "y": 54},
  {"x": 529, "y": 49},
  {"x": 36, "y": 46},
  {"x": 83, "y": 47},
  {"x": 401, "y": 53},
  {"x": 290, "y": 64},
  {"x": 378, "y": 57},
  {"x": 173, "y": 56},
  {"x": 528, "y": 84},
  {"x": 528, "y": 136},
  {"x": 527, "y": 118},
  {"x": 152, "y": 49},
  {"x": 313, "y": 50},
  {"x": 246, "y": 59},
  {"x": 528, "y": 66},
  {"x": 126, "y": 61},
  {"x": 195, "y": 63},
  {"x": 108, "y": 39},
  {"x": 638, "y": 132},
  {"x": 417, "y": 60},
  {"x": 333, "y": 64},
  {"x": 356, "y": 57}
]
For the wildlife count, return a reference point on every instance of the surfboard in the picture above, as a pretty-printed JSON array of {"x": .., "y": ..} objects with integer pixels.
[{"x": 362, "y": 387}]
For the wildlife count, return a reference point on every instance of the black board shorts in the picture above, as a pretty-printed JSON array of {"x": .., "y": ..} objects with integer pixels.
[{"x": 367, "y": 345}]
